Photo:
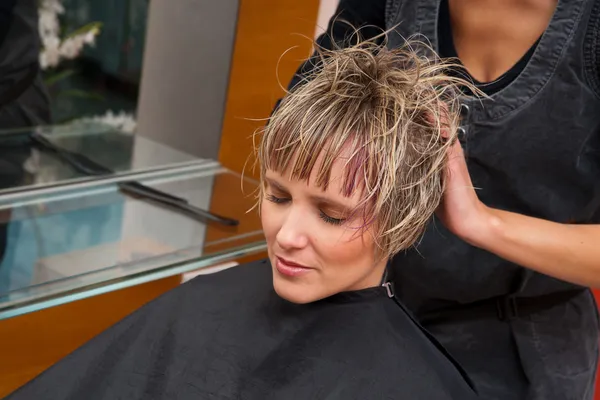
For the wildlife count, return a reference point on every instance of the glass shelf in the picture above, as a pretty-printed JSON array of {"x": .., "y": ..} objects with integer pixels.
[
  {"x": 75, "y": 243},
  {"x": 24, "y": 167}
]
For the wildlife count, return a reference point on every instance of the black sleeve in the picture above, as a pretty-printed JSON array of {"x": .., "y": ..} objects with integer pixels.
[
  {"x": 6, "y": 8},
  {"x": 366, "y": 15}
]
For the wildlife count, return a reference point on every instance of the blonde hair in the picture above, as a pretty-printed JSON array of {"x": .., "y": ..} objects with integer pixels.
[{"x": 390, "y": 107}]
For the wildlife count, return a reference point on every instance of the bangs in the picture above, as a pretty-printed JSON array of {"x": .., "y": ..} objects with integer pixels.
[{"x": 299, "y": 146}]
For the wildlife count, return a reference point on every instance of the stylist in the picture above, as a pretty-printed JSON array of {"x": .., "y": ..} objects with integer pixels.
[{"x": 501, "y": 276}]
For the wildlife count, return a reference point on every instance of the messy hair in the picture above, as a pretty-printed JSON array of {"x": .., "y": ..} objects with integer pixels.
[{"x": 390, "y": 108}]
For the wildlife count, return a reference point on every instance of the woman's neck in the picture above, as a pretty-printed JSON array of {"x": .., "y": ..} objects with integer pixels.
[{"x": 490, "y": 36}]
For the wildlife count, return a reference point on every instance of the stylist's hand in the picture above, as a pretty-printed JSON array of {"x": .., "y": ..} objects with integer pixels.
[{"x": 461, "y": 211}]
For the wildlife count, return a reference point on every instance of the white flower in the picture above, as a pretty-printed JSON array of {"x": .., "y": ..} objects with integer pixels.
[
  {"x": 122, "y": 121},
  {"x": 128, "y": 124},
  {"x": 49, "y": 28},
  {"x": 71, "y": 47},
  {"x": 53, "y": 5},
  {"x": 50, "y": 56},
  {"x": 52, "y": 43},
  {"x": 48, "y": 24},
  {"x": 90, "y": 37}
]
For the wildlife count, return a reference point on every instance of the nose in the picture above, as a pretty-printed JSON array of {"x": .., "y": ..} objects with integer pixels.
[{"x": 292, "y": 233}]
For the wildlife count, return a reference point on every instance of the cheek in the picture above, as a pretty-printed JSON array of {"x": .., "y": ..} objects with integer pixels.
[{"x": 347, "y": 248}]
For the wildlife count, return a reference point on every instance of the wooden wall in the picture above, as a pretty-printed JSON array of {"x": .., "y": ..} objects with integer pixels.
[{"x": 266, "y": 29}]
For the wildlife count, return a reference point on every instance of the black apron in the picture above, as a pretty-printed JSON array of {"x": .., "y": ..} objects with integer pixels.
[
  {"x": 229, "y": 336},
  {"x": 534, "y": 149}
]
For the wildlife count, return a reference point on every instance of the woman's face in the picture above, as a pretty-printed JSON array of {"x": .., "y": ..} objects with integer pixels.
[{"x": 315, "y": 250}]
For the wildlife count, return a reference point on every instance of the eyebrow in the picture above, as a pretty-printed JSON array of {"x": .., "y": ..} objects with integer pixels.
[
  {"x": 275, "y": 184},
  {"x": 317, "y": 199}
]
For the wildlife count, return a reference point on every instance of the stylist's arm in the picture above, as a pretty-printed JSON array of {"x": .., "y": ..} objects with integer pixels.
[{"x": 564, "y": 251}]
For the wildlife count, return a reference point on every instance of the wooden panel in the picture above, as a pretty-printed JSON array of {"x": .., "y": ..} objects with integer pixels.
[
  {"x": 228, "y": 195},
  {"x": 266, "y": 29},
  {"x": 31, "y": 343}
]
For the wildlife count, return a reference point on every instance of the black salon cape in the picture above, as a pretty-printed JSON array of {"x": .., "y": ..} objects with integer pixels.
[{"x": 229, "y": 336}]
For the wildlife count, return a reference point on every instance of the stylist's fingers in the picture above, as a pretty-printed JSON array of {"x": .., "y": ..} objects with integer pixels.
[
  {"x": 441, "y": 118},
  {"x": 445, "y": 122},
  {"x": 456, "y": 161}
]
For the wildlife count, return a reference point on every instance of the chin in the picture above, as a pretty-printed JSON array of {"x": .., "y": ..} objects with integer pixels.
[{"x": 292, "y": 292}]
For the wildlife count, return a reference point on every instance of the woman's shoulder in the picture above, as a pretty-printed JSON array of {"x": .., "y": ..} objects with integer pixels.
[
  {"x": 224, "y": 288},
  {"x": 241, "y": 276},
  {"x": 206, "y": 295}
]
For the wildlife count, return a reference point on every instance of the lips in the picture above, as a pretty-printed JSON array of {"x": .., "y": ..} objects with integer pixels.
[{"x": 290, "y": 268}]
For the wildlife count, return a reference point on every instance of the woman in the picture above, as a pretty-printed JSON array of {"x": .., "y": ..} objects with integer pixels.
[
  {"x": 501, "y": 275},
  {"x": 351, "y": 169}
]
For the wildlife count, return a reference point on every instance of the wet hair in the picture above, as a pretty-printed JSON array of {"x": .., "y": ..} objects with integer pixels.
[{"x": 389, "y": 108}]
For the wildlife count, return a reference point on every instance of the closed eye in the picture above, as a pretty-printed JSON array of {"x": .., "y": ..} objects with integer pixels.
[
  {"x": 283, "y": 200},
  {"x": 331, "y": 220},
  {"x": 277, "y": 200}
]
